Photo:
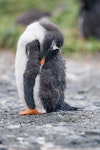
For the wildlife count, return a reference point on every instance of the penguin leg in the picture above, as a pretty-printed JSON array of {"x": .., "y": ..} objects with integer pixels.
[{"x": 28, "y": 92}]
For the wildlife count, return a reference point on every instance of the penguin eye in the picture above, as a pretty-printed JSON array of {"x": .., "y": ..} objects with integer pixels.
[{"x": 54, "y": 47}]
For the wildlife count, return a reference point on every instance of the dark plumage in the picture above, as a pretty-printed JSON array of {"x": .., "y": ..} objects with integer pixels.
[
  {"x": 89, "y": 19},
  {"x": 31, "y": 16}
]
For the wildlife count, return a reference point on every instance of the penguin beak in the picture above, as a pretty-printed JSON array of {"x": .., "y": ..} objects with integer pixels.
[{"x": 42, "y": 62}]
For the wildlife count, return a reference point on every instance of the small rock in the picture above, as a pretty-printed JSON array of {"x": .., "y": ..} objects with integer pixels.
[{"x": 2, "y": 147}]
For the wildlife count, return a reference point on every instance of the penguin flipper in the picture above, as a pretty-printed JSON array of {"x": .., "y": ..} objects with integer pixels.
[
  {"x": 67, "y": 107},
  {"x": 29, "y": 111}
]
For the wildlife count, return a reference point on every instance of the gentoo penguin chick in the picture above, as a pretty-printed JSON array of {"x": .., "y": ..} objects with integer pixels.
[{"x": 40, "y": 69}]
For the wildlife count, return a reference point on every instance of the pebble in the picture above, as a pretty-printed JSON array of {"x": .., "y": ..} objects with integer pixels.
[{"x": 2, "y": 147}]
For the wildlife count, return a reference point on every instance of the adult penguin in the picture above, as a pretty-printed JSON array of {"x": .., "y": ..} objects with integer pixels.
[
  {"x": 89, "y": 19},
  {"x": 40, "y": 69}
]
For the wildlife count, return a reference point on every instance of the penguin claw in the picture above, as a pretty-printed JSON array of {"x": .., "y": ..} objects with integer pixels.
[{"x": 29, "y": 112}]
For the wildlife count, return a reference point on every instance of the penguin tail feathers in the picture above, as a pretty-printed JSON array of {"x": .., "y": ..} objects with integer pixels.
[{"x": 67, "y": 107}]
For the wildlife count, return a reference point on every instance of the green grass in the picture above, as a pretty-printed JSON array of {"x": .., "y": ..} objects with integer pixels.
[{"x": 65, "y": 13}]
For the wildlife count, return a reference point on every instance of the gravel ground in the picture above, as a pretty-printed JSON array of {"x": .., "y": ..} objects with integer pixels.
[{"x": 59, "y": 131}]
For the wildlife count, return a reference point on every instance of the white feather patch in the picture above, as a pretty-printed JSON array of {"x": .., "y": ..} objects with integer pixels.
[
  {"x": 37, "y": 100},
  {"x": 54, "y": 46},
  {"x": 33, "y": 31}
]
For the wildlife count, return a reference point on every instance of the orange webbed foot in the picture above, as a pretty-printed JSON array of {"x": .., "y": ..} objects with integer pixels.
[{"x": 29, "y": 112}]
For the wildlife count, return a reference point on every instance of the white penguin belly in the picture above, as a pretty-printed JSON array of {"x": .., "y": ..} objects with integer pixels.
[
  {"x": 37, "y": 100},
  {"x": 20, "y": 65}
]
